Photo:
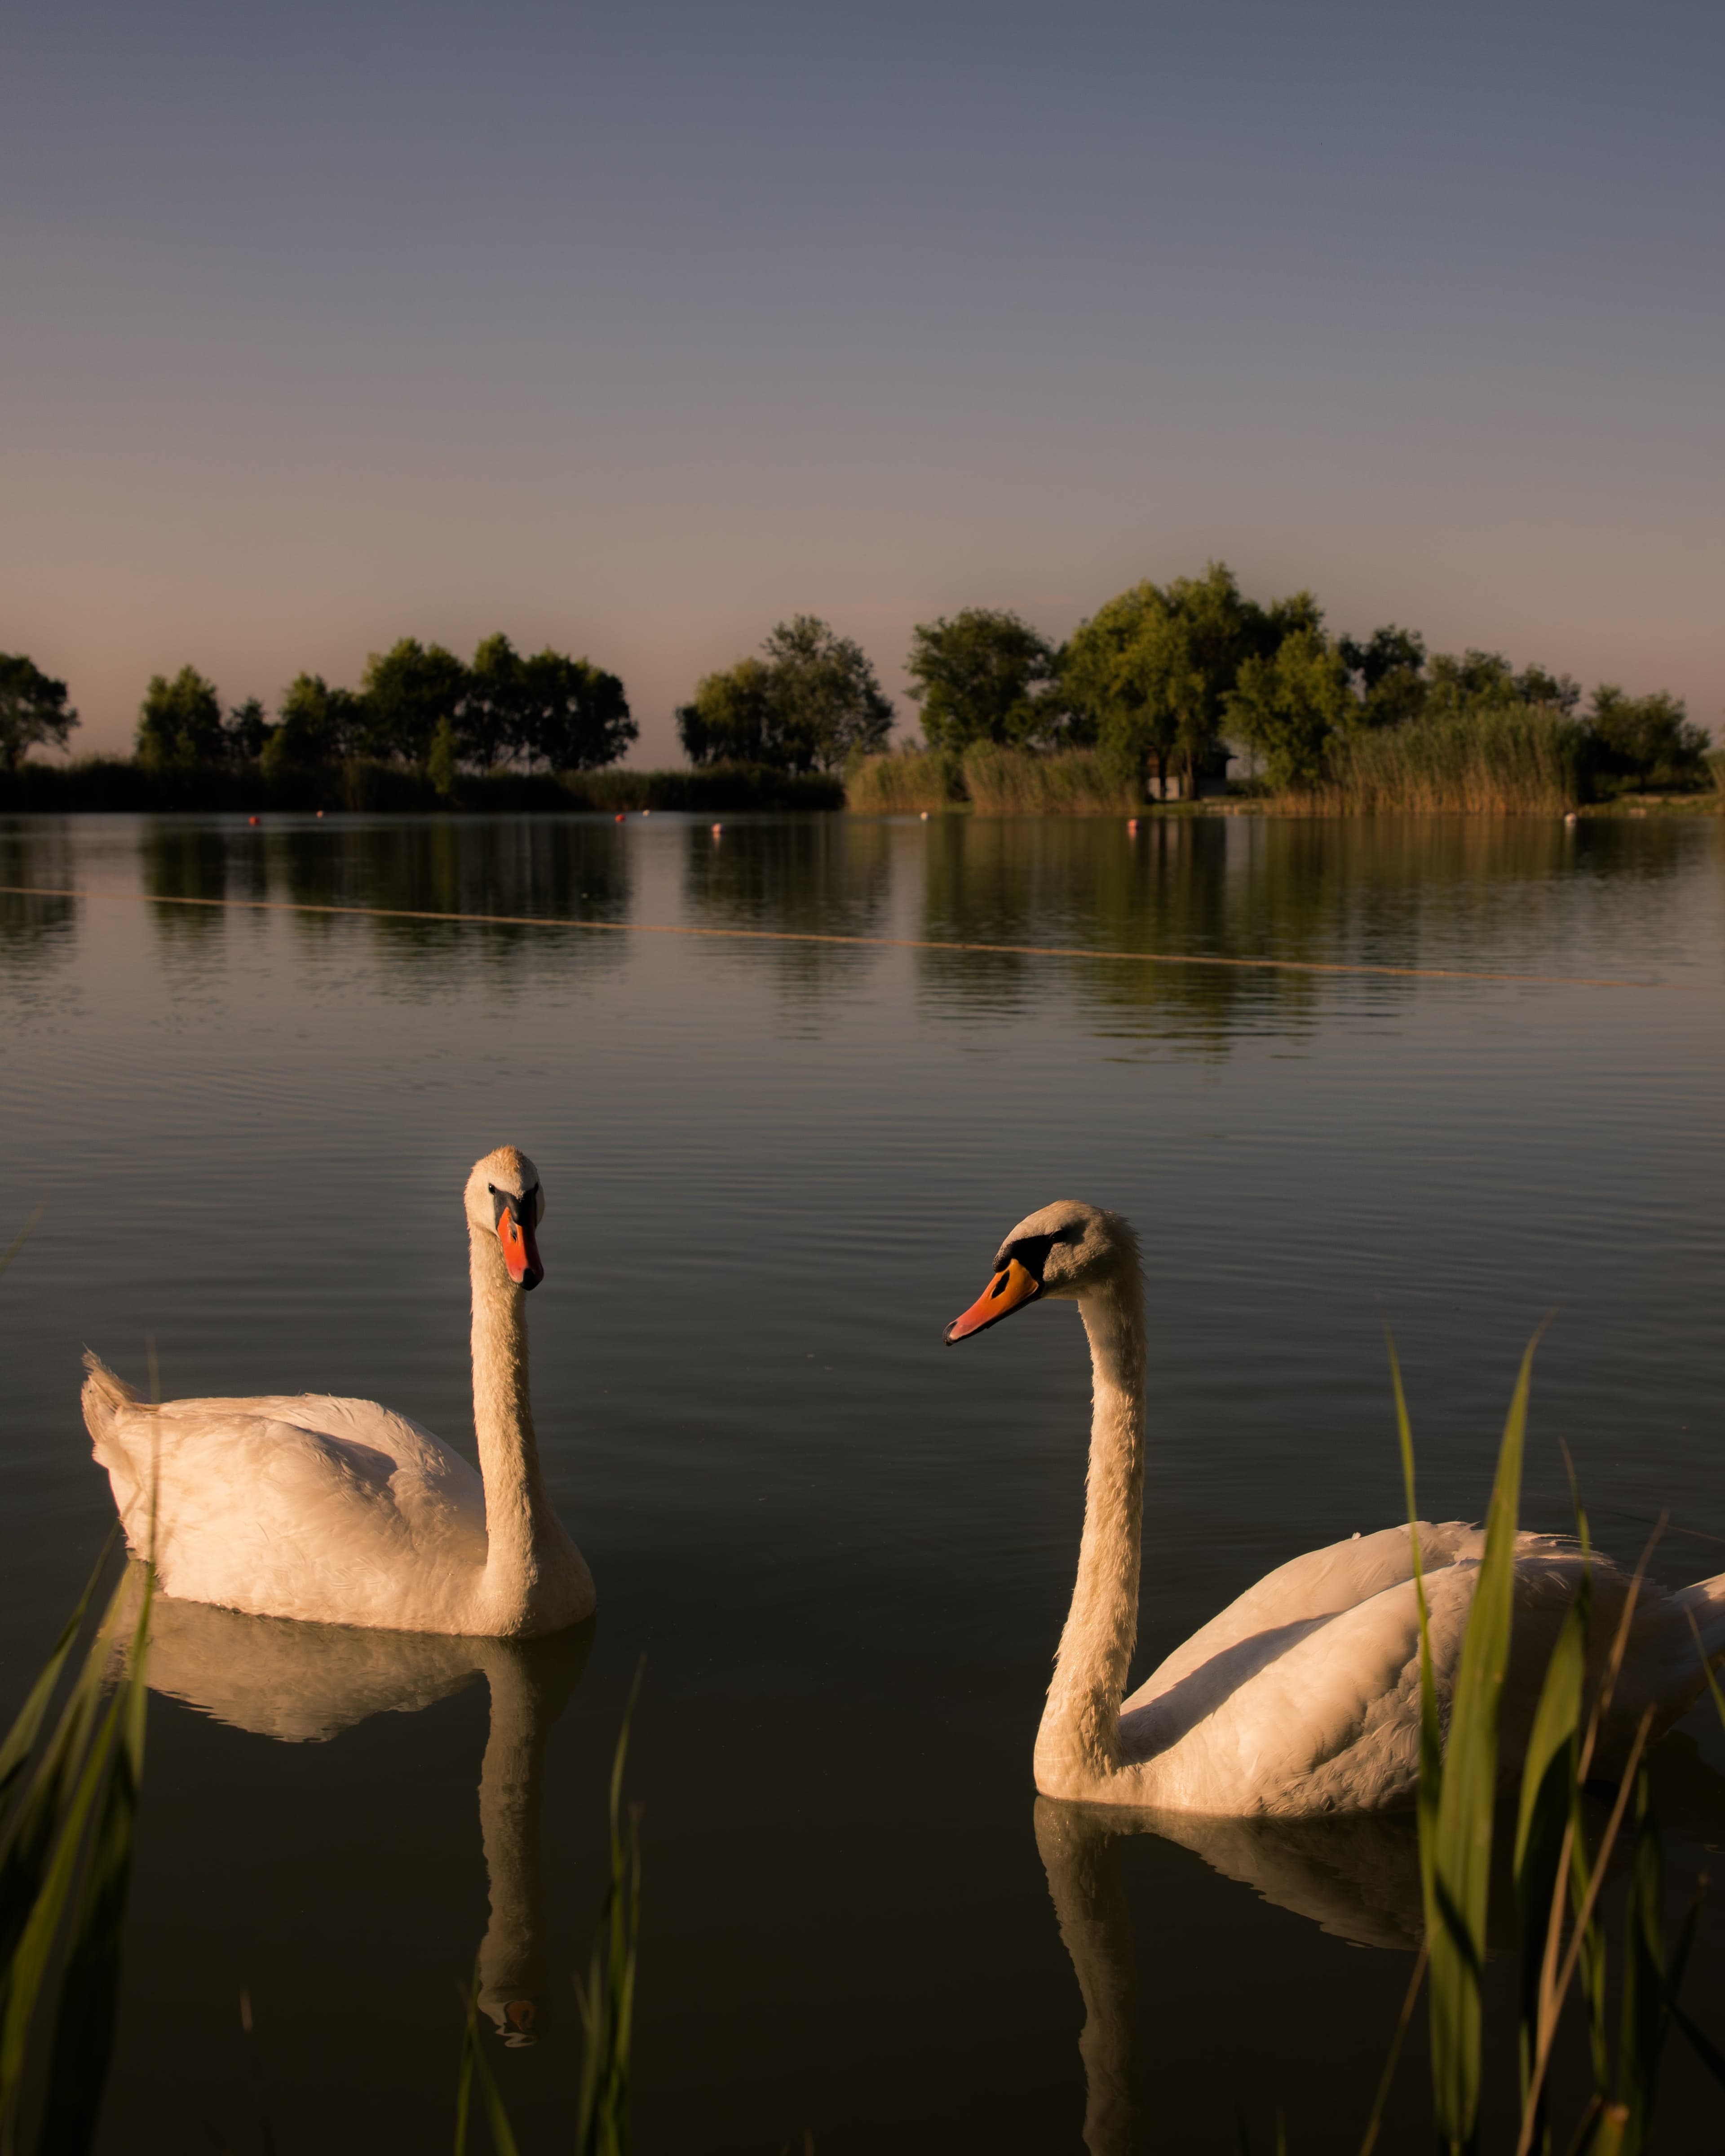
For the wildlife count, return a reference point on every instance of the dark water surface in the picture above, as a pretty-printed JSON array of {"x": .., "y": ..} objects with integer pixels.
[{"x": 773, "y": 1172}]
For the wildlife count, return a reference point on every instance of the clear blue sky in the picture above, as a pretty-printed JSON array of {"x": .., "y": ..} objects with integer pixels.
[{"x": 634, "y": 328}]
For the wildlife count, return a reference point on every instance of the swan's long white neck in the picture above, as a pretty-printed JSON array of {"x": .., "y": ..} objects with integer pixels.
[
  {"x": 1078, "y": 1744},
  {"x": 522, "y": 1530}
]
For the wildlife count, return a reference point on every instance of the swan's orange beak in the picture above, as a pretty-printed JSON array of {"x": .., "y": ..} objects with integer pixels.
[
  {"x": 521, "y": 1253},
  {"x": 1008, "y": 1290}
]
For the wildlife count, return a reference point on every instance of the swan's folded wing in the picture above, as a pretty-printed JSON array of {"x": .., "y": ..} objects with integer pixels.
[
  {"x": 1320, "y": 1584},
  {"x": 265, "y": 1511},
  {"x": 1330, "y": 1720}
]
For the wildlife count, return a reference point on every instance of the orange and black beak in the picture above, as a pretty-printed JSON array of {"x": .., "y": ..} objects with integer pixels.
[
  {"x": 515, "y": 1232},
  {"x": 1011, "y": 1288}
]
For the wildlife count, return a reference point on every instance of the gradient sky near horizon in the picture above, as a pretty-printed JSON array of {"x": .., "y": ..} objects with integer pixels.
[{"x": 634, "y": 329}]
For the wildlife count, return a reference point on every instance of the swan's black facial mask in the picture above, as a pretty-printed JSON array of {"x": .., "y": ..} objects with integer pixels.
[{"x": 514, "y": 1218}]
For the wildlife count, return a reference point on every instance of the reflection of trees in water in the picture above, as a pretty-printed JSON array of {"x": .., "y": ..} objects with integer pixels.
[
  {"x": 826, "y": 875},
  {"x": 550, "y": 866},
  {"x": 1090, "y": 885},
  {"x": 183, "y": 859},
  {"x": 36, "y": 932},
  {"x": 1491, "y": 893}
]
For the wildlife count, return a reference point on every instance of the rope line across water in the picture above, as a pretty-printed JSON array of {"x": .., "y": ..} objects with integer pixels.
[{"x": 868, "y": 942}]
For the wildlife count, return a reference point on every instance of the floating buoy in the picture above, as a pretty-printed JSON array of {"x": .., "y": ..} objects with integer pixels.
[
  {"x": 319, "y": 815},
  {"x": 717, "y": 829},
  {"x": 1132, "y": 825},
  {"x": 620, "y": 817},
  {"x": 1570, "y": 817},
  {"x": 251, "y": 819},
  {"x": 925, "y": 815},
  {"x": 646, "y": 812}
]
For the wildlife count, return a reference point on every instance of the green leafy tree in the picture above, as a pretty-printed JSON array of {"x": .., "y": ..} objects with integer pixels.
[
  {"x": 245, "y": 733},
  {"x": 985, "y": 676},
  {"x": 1286, "y": 707},
  {"x": 547, "y": 708},
  {"x": 813, "y": 702},
  {"x": 493, "y": 708},
  {"x": 574, "y": 715},
  {"x": 180, "y": 722},
  {"x": 731, "y": 719},
  {"x": 443, "y": 758},
  {"x": 828, "y": 702},
  {"x": 33, "y": 710},
  {"x": 1388, "y": 672},
  {"x": 408, "y": 691},
  {"x": 1645, "y": 741},
  {"x": 316, "y": 726},
  {"x": 1555, "y": 692},
  {"x": 1153, "y": 668}
]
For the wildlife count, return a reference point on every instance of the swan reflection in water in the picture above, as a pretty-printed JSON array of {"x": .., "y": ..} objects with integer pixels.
[
  {"x": 305, "y": 1683},
  {"x": 1355, "y": 1876}
]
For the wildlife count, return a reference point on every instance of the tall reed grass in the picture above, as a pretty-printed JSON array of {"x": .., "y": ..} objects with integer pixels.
[
  {"x": 901, "y": 784},
  {"x": 68, "y": 1821},
  {"x": 995, "y": 781},
  {"x": 1016, "y": 782},
  {"x": 1559, "y": 1871},
  {"x": 1513, "y": 760}
]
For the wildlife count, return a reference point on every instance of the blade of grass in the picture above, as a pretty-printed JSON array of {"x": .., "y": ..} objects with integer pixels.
[
  {"x": 474, "y": 2064},
  {"x": 30, "y": 1959},
  {"x": 1550, "y": 1850},
  {"x": 20, "y": 1740},
  {"x": 89, "y": 1987},
  {"x": 1584, "y": 1916},
  {"x": 28, "y": 1834},
  {"x": 1645, "y": 2018},
  {"x": 18, "y": 1241},
  {"x": 607, "y": 2001},
  {"x": 1461, "y": 1856},
  {"x": 1430, "y": 1729},
  {"x": 1374, "y": 2124}
]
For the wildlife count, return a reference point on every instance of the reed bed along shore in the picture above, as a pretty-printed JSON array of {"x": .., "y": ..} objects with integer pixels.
[
  {"x": 1517, "y": 761},
  {"x": 994, "y": 780}
]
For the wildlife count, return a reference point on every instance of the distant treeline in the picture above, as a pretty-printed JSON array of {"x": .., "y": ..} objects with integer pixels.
[
  {"x": 1154, "y": 689},
  {"x": 1161, "y": 680}
]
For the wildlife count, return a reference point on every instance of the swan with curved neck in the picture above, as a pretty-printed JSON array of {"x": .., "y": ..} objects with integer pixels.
[
  {"x": 1303, "y": 1695},
  {"x": 343, "y": 1513}
]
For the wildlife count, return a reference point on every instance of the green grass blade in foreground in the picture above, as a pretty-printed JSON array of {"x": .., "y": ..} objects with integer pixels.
[
  {"x": 21, "y": 1738},
  {"x": 1431, "y": 1741},
  {"x": 473, "y": 2061},
  {"x": 1547, "y": 1821},
  {"x": 29, "y": 1831},
  {"x": 608, "y": 2000},
  {"x": 89, "y": 1988},
  {"x": 1461, "y": 1855},
  {"x": 29, "y": 1961},
  {"x": 1645, "y": 2017},
  {"x": 18, "y": 1241}
]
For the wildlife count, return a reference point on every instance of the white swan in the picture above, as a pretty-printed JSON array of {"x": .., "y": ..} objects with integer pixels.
[
  {"x": 345, "y": 1513},
  {"x": 1302, "y": 1695}
]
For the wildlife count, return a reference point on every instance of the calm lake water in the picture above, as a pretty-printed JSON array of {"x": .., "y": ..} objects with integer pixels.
[{"x": 773, "y": 1172}]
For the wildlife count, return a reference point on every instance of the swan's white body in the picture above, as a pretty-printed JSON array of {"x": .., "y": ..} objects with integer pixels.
[
  {"x": 1303, "y": 1696},
  {"x": 343, "y": 1513}
]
